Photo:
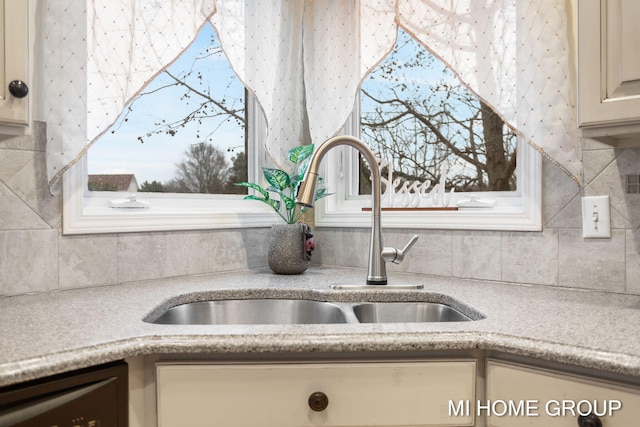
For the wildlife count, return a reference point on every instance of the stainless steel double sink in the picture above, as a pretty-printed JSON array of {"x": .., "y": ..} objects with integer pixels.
[{"x": 267, "y": 311}]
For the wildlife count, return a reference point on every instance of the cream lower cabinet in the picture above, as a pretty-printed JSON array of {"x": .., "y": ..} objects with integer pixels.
[
  {"x": 283, "y": 395},
  {"x": 522, "y": 396}
]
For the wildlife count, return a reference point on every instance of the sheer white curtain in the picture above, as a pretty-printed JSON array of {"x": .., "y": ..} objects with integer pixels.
[
  {"x": 92, "y": 57},
  {"x": 515, "y": 55},
  {"x": 304, "y": 60}
]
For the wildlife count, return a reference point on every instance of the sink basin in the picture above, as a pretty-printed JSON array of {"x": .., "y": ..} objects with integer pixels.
[
  {"x": 291, "y": 311},
  {"x": 253, "y": 312},
  {"x": 406, "y": 312}
]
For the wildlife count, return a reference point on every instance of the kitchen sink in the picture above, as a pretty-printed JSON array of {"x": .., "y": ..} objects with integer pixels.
[
  {"x": 291, "y": 311},
  {"x": 253, "y": 312},
  {"x": 407, "y": 312}
]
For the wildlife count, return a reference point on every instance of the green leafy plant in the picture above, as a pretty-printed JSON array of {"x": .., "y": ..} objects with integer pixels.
[{"x": 285, "y": 184}]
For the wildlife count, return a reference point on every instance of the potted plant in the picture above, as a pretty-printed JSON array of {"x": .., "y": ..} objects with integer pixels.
[{"x": 291, "y": 243}]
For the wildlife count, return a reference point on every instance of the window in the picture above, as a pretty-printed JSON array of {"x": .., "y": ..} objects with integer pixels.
[
  {"x": 89, "y": 212},
  {"x": 416, "y": 115},
  {"x": 180, "y": 145},
  {"x": 184, "y": 133},
  {"x": 513, "y": 209}
]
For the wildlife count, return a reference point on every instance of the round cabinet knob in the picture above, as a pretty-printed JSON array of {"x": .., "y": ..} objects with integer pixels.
[
  {"x": 590, "y": 420},
  {"x": 18, "y": 88},
  {"x": 318, "y": 401}
]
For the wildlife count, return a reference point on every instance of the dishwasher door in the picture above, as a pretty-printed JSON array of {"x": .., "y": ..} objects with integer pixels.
[{"x": 95, "y": 397}]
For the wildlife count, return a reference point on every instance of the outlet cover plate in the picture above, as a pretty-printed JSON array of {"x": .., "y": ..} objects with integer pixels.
[{"x": 596, "y": 217}]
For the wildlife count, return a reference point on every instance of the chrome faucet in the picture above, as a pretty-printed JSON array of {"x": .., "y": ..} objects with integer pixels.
[{"x": 378, "y": 255}]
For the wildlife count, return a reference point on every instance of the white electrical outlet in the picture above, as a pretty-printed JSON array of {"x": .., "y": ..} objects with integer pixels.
[{"x": 596, "y": 217}]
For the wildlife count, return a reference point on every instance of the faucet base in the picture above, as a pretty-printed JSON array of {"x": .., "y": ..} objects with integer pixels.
[{"x": 375, "y": 287}]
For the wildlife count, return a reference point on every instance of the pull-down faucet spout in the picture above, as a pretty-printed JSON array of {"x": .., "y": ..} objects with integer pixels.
[{"x": 378, "y": 255}]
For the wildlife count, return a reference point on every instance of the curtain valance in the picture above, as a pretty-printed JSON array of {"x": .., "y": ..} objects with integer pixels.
[{"x": 304, "y": 61}]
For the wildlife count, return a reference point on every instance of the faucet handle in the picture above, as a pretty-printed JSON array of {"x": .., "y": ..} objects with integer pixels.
[{"x": 397, "y": 255}]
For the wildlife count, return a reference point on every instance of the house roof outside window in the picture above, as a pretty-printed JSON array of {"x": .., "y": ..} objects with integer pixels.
[{"x": 113, "y": 182}]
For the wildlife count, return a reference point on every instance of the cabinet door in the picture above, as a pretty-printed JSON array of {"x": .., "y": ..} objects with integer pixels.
[
  {"x": 358, "y": 394},
  {"x": 14, "y": 54},
  {"x": 553, "y": 399},
  {"x": 608, "y": 62}
]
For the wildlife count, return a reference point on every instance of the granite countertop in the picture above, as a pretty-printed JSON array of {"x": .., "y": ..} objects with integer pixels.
[{"x": 59, "y": 331}]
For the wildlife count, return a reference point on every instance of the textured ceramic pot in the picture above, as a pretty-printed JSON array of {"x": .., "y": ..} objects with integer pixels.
[{"x": 287, "y": 248}]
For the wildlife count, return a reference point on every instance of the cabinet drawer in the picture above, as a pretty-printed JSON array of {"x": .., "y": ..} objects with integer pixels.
[
  {"x": 359, "y": 394},
  {"x": 554, "y": 399}
]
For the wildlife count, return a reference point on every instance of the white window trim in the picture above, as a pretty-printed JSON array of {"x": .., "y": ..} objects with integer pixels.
[
  {"x": 86, "y": 212},
  {"x": 520, "y": 210}
]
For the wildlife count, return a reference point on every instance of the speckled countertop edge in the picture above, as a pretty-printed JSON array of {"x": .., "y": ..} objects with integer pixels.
[{"x": 91, "y": 326}]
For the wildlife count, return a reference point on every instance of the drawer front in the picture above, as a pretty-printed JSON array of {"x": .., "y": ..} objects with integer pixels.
[
  {"x": 520, "y": 396},
  {"x": 359, "y": 394}
]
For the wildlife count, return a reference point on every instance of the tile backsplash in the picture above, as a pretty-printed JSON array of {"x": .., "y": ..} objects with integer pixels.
[
  {"x": 36, "y": 257},
  {"x": 556, "y": 256}
]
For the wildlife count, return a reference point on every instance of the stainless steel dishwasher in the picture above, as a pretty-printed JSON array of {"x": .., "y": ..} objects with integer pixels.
[{"x": 94, "y": 397}]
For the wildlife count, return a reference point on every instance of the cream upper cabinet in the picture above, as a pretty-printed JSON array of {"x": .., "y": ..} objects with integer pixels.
[
  {"x": 317, "y": 394},
  {"x": 14, "y": 62},
  {"x": 517, "y": 395},
  {"x": 609, "y": 71}
]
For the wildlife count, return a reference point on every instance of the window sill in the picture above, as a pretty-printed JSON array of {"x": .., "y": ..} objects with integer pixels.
[
  {"x": 514, "y": 211},
  {"x": 86, "y": 214},
  {"x": 499, "y": 219}
]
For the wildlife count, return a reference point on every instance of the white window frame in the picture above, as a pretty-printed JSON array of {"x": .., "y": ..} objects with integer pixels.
[
  {"x": 86, "y": 212},
  {"x": 519, "y": 210}
]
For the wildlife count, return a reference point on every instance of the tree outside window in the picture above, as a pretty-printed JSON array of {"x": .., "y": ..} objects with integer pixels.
[{"x": 416, "y": 114}]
